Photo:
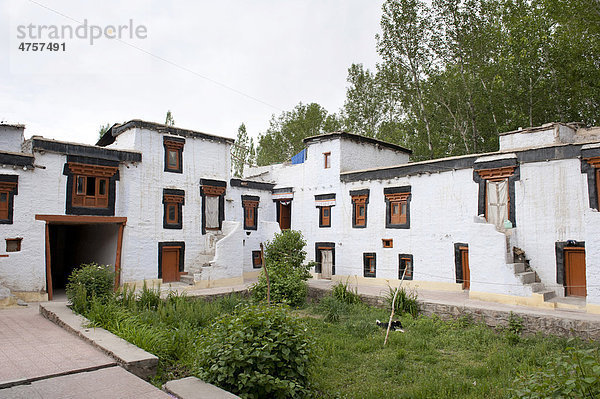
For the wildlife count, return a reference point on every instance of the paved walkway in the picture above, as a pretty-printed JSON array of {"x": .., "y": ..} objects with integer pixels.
[{"x": 38, "y": 359}]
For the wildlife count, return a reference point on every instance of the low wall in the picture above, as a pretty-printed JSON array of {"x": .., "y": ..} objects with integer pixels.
[{"x": 532, "y": 322}]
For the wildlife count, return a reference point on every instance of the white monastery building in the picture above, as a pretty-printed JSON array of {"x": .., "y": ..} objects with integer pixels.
[{"x": 519, "y": 226}]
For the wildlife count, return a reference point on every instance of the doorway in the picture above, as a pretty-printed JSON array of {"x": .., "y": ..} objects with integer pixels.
[
  {"x": 170, "y": 261},
  {"x": 75, "y": 240},
  {"x": 575, "y": 271},
  {"x": 461, "y": 262},
  {"x": 285, "y": 215},
  {"x": 325, "y": 258},
  {"x": 497, "y": 202}
]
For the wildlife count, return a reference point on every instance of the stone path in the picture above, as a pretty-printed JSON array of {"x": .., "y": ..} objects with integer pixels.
[{"x": 38, "y": 359}]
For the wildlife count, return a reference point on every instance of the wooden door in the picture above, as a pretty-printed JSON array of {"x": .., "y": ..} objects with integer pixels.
[
  {"x": 170, "y": 264},
  {"x": 285, "y": 215},
  {"x": 466, "y": 273},
  {"x": 575, "y": 271},
  {"x": 326, "y": 263}
]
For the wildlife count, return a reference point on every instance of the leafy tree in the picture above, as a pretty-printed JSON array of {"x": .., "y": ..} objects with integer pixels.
[
  {"x": 103, "y": 129},
  {"x": 169, "y": 121},
  {"x": 242, "y": 152},
  {"x": 284, "y": 260},
  {"x": 283, "y": 138}
]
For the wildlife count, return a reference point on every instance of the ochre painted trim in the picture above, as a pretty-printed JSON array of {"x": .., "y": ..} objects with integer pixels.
[
  {"x": 535, "y": 300},
  {"x": 80, "y": 219},
  {"x": 223, "y": 282},
  {"x": 251, "y": 275}
]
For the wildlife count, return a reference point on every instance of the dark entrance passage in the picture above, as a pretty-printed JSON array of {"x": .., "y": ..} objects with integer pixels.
[{"x": 75, "y": 240}]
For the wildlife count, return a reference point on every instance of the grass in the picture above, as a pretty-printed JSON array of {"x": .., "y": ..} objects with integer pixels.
[{"x": 431, "y": 359}]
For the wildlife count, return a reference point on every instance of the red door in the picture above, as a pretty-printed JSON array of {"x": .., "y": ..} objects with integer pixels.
[
  {"x": 285, "y": 215},
  {"x": 575, "y": 271},
  {"x": 464, "y": 261},
  {"x": 170, "y": 264}
]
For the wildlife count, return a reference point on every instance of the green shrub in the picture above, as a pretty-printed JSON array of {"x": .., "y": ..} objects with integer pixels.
[
  {"x": 332, "y": 308},
  {"x": 87, "y": 282},
  {"x": 257, "y": 352},
  {"x": 514, "y": 329},
  {"x": 287, "y": 275},
  {"x": 574, "y": 374},
  {"x": 149, "y": 298},
  {"x": 405, "y": 302},
  {"x": 342, "y": 292}
]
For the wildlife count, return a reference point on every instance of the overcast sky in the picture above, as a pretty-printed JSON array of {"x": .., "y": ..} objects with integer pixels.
[{"x": 195, "y": 59}]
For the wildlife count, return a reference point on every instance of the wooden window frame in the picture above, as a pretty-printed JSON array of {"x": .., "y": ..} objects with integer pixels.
[
  {"x": 173, "y": 199},
  {"x": 387, "y": 242},
  {"x": 174, "y": 145},
  {"x": 402, "y": 262},
  {"x": 250, "y": 205},
  {"x": 324, "y": 221},
  {"x": 16, "y": 240},
  {"x": 84, "y": 199},
  {"x": 256, "y": 259},
  {"x": 369, "y": 264},
  {"x": 81, "y": 199},
  {"x": 400, "y": 200},
  {"x": 359, "y": 202},
  {"x": 598, "y": 185},
  {"x": 326, "y": 160},
  {"x": 5, "y": 205}
]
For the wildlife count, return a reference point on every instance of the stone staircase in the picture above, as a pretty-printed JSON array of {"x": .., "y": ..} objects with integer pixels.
[
  {"x": 203, "y": 260},
  {"x": 520, "y": 265}
]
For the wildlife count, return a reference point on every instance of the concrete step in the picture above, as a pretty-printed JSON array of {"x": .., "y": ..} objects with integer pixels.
[
  {"x": 537, "y": 287},
  {"x": 518, "y": 267},
  {"x": 187, "y": 279},
  {"x": 548, "y": 295},
  {"x": 527, "y": 277}
]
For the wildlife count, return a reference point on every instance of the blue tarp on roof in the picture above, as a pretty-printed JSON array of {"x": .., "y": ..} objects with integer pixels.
[{"x": 299, "y": 157}]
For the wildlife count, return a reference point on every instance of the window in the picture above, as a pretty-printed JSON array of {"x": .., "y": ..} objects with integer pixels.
[
  {"x": 496, "y": 187},
  {"x": 13, "y": 244},
  {"x": 173, "y": 201},
  {"x": 250, "y": 205},
  {"x": 325, "y": 216},
  {"x": 213, "y": 204},
  {"x": 4, "y": 204},
  {"x": 90, "y": 192},
  {"x": 369, "y": 264},
  {"x": 405, "y": 266},
  {"x": 327, "y": 160},
  {"x": 173, "y": 154},
  {"x": 387, "y": 242},
  {"x": 91, "y": 188},
  {"x": 256, "y": 259},
  {"x": 397, "y": 207},
  {"x": 598, "y": 186},
  {"x": 360, "y": 199}
]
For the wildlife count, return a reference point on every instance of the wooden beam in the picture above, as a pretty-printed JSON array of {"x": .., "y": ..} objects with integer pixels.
[
  {"x": 48, "y": 264},
  {"x": 79, "y": 219},
  {"x": 118, "y": 258}
]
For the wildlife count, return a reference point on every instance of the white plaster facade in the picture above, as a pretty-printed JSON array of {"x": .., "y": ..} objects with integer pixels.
[{"x": 551, "y": 196}]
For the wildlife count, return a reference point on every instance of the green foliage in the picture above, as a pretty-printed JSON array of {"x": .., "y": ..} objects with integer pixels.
[
  {"x": 573, "y": 374},
  {"x": 242, "y": 152},
  {"x": 284, "y": 257},
  {"x": 343, "y": 293},
  {"x": 257, "y": 352},
  {"x": 89, "y": 281},
  {"x": 405, "y": 302},
  {"x": 332, "y": 308},
  {"x": 514, "y": 329},
  {"x": 169, "y": 120},
  {"x": 283, "y": 138},
  {"x": 103, "y": 129}
]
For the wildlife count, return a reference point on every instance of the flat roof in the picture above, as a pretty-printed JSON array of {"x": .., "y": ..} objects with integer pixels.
[
  {"x": 116, "y": 129},
  {"x": 40, "y": 143},
  {"x": 358, "y": 138}
]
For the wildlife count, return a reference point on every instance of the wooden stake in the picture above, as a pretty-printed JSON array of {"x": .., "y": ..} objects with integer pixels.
[
  {"x": 394, "y": 307},
  {"x": 264, "y": 266}
]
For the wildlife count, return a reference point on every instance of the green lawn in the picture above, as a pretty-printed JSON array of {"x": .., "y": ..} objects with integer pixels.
[{"x": 431, "y": 359}]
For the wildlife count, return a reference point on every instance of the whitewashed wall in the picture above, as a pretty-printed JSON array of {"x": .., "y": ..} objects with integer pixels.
[
  {"x": 141, "y": 193},
  {"x": 356, "y": 156},
  {"x": 40, "y": 191},
  {"x": 11, "y": 138},
  {"x": 592, "y": 255}
]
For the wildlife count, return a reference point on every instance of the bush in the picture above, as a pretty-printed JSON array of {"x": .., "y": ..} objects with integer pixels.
[
  {"x": 405, "y": 302},
  {"x": 87, "y": 282},
  {"x": 342, "y": 292},
  {"x": 257, "y": 352},
  {"x": 574, "y": 374},
  {"x": 332, "y": 308},
  {"x": 284, "y": 256}
]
